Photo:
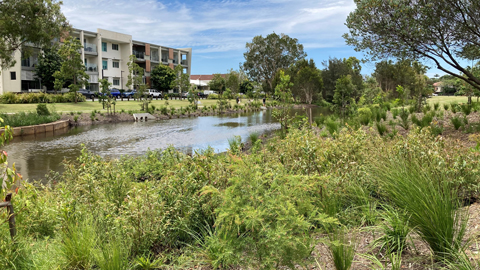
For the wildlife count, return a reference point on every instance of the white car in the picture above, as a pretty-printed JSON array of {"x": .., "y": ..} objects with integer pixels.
[{"x": 153, "y": 93}]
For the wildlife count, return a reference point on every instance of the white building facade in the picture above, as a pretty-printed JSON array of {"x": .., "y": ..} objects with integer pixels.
[{"x": 105, "y": 55}]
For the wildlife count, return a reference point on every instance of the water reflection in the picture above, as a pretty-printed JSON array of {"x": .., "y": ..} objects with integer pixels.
[{"x": 36, "y": 155}]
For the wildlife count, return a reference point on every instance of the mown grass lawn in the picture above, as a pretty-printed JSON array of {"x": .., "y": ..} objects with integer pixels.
[
  {"x": 89, "y": 106},
  {"x": 448, "y": 99}
]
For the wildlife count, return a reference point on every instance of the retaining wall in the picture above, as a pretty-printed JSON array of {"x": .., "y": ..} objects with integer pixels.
[{"x": 37, "y": 129}]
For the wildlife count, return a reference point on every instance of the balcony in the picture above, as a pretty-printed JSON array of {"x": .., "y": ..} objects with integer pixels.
[
  {"x": 139, "y": 55},
  {"x": 184, "y": 62},
  {"x": 164, "y": 59},
  {"x": 155, "y": 58},
  {"x": 29, "y": 63},
  {"x": 90, "y": 48},
  {"x": 91, "y": 68}
]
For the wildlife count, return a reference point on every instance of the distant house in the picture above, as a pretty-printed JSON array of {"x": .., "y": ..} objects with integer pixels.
[
  {"x": 438, "y": 88},
  {"x": 201, "y": 81}
]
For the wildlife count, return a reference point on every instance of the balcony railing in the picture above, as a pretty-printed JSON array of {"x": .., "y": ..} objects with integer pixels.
[
  {"x": 91, "y": 67},
  {"x": 184, "y": 62},
  {"x": 164, "y": 59},
  {"x": 139, "y": 55},
  {"x": 88, "y": 47},
  {"x": 29, "y": 62}
]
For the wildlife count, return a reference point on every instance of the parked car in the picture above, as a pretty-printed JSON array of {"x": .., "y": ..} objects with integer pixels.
[
  {"x": 129, "y": 93},
  {"x": 114, "y": 92},
  {"x": 88, "y": 93},
  {"x": 153, "y": 93}
]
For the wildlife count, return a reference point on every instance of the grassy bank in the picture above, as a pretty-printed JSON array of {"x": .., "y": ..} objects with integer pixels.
[
  {"x": 303, "y": 201},
  {"x": 90, "y": 106},
  {"x": 26, "y": 119}
]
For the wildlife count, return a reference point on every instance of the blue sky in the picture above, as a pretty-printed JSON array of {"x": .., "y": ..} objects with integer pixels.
[{"x": 217, "y": 31}]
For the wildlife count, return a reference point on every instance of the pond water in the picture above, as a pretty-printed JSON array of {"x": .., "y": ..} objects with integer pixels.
[{"x": 34, "y": 156}]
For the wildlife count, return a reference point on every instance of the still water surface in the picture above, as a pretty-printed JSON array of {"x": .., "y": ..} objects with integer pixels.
[{"x": 35, "y": 156}]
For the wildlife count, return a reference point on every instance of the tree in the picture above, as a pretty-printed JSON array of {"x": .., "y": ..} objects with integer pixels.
[
  {"x": 162, "y": 78},
  {"x": 135, "y": 80},
  {"x": 343, "y": 97},
  {"x": 246, "y": 87},
  {"x": 265, "y": 56},
  {"x": 28, "y": 21},
  {"x": 442, "y": 31},
  {"x": 182, "y": 80},
  {"x": 48, "y": 63},
  {"x": 336, "y": 68},
  {"x": 284, "y": 95},
  {"x": 307, "y": 80},
  {"x": 73, "y": 68},
  {"x": 217, "y": 83},
  {"x": 233, "y": 80}
]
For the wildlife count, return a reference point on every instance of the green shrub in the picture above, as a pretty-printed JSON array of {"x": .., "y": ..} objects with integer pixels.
[
  {"x": 381, "y": 128},
  {"x": 454, "y": 107},
  {"x": 320, "y": 120},
  {"x": 436, "y": 106},
  {"x": 364, "y": 115},
  {"x": 332, "y": 126},
  {"x": 446, "y": 106},
  {"x": 42, "y": 109},
  {"x": 236, "y": 145},
  {"x": 395, "y": 113},
  {"x": 411, "y": 109},
  {"x": 466, "y": 109},
  {"x": 456, "y": 122},
  {"x": 404, "y": 123},
  {"x": 212, "y": 96}
]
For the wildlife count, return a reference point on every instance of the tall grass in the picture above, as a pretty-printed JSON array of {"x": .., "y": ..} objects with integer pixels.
[
  {"x": 456, "y": 122},
  {"x": 381, "y": 128},
  {"x": 446, "y": 106},
  {"x": 235, "y": 144},
  {"x": 395, "y": 230},
  {"x": 341, "y": 249},
  {"x": 428, "y": 199},
  {"x": 27, "y": 119},
  {"x": 78, "y": 246},
  {"x": 466, "y": 109},
  {"x": 253, "y": 137},
  {"x": 113, "y": 256},
  {"x": 332, "y": 126}
]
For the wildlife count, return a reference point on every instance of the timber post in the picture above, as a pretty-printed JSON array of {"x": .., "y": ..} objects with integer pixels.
[{"x": 11, "y": 214}]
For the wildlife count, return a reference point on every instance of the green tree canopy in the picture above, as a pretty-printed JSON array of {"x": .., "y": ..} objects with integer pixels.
[
  {"x": 334, "y": 69},
  {"x": 182, "y": 80},
  {"x": 266, "y": 55},
  {"x": 307, "y": 81},
  {"x": 343, "y": 97},
  {"x": 442, "y": 31},
  {"x": 162, "y": 78},
  {"x": 217, "y": 83},
  {"x": 28, "y": 21},
  {"x": 73, "y": 68},
  {"x": 49, "y": 62}
]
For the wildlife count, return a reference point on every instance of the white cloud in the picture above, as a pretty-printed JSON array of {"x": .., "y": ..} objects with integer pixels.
[{"x": 211, "y": 25}]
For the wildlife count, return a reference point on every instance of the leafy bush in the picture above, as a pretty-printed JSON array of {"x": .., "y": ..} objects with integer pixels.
[
  {"x": 212, "y": 96},
  {"x": 42, "y": 109},
  {"x": 12, "y": 98},
  {"x": 364, "y": 115}
]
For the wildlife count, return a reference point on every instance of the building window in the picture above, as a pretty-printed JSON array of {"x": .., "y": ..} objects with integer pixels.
[
  {"x": 116, "y": 81},
  {"x": 115, "y": 47},
  {"x": 13, "y": 75},
  {"x": 116, "y": 64},
  {"x": 105, "y": 64},
  {"x": 104, "y": 46}
]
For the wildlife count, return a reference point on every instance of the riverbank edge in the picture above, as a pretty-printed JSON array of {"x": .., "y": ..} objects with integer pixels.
[{"x": 41, "y": 128}]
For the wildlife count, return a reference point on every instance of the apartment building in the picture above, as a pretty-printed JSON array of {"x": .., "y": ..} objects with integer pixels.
[{"x": 106, "y": 54}]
